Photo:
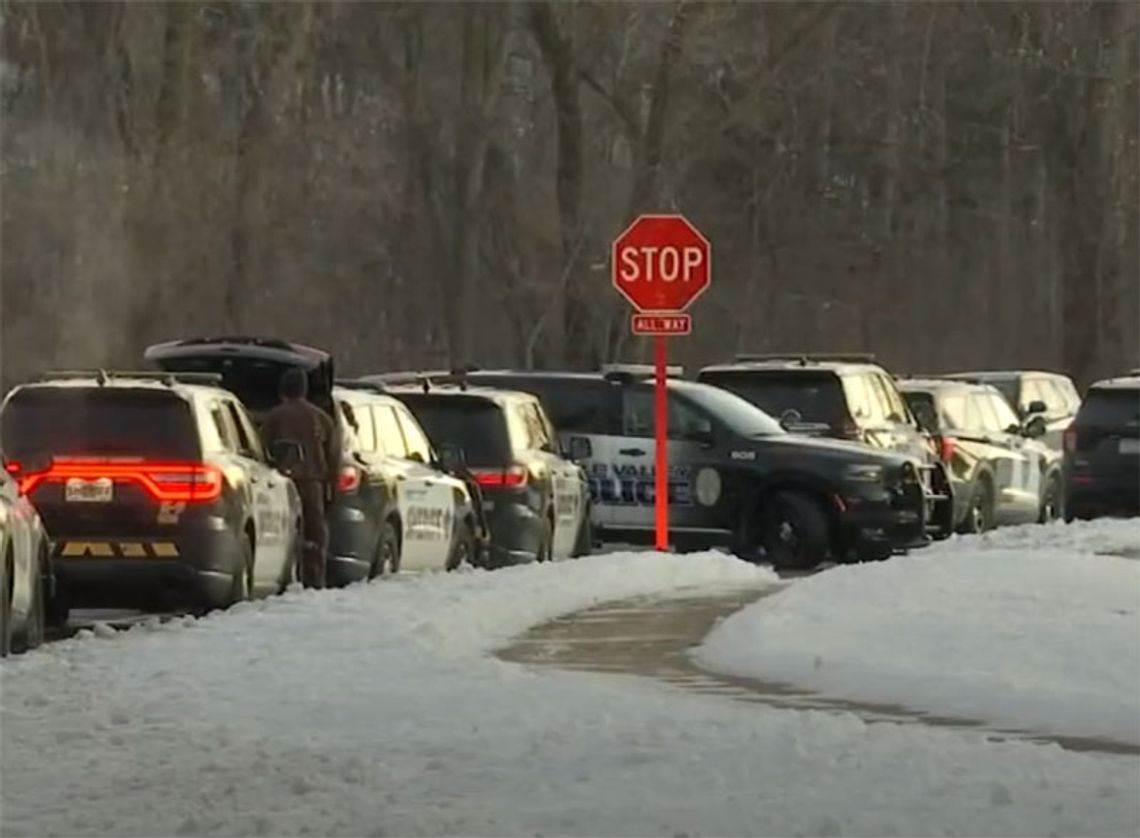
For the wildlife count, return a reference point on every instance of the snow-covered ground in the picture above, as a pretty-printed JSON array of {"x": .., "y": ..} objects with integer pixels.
[
  {"x": 378, "y": 710},
  {"x": 1026, "y": 627}
]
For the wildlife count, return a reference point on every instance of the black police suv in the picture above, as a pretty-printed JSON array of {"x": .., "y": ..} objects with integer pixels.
[
  {"x": 395, "y": 507},
  {"x": 1050, "y": 395},
  {"x": 158, "y": 494},
  {"x": 843, "y": 397},
  {"x": 536, "y": 502},
  {"x": 1102, "y": 452},
  {"x": 1000, "y": 471},
  {"x": 736, "y": 478}
]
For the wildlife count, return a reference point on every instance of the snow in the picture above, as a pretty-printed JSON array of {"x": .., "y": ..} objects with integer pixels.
[
  {"x": 378, "y": 710},
  {"x": 1025, "y": 628}
]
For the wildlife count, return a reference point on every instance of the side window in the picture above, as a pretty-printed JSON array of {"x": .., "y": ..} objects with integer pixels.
[
  {"x": 362, "y": 435},
  {"x": 245, "y": 444},
  {"x": 519, "y": 427},
  {"x": 858, "y": 396},
  {"x": 958, "y": 413},
  {"x": 224, "y": 425},
  {"x": 536, "y": 428},
  {"x": 1031, "y": 391},
  {"x": 245, "y": 422},
  {"x": 414, "y": 438},
  {"x": 595, "y": 409},
  {"x": 895, "y": 402},
  {"x": 637, "y": 412},
  {"x": 391, "y": 441},
  {"x": 682, "y": 420},
  {"x": 1006, "y": 418},
  {"x": 1053, "y": 396},
  {"x": 880, "y": 401}
]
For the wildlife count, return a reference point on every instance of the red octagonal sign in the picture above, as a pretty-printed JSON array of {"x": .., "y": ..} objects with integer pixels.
[{"x": 661, "y": 263}]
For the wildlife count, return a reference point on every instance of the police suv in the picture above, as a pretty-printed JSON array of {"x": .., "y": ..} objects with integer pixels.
[
  {"x": 26, "y": 577},
  {"x": 736, "y": 478},
  {"x": 395, "y": 507},
  {"x": 536, "y": 501},
  {"x": 155, "y": 490}
]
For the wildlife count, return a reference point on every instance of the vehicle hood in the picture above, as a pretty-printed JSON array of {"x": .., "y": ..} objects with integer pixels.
[{"x": 837, "y": 449}]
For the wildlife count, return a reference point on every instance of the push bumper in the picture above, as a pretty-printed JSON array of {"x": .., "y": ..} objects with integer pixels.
[
  {"x": 884, "y": 521},
  {"x": 1089, "y": 494}
]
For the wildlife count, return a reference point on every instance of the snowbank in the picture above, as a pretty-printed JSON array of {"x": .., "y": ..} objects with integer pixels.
[
  {"x": 376, "y": 711},
  {"x": 1025, "y": 628}
]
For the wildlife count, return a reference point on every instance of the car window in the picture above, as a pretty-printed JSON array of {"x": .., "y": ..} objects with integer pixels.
[
  {"x": 245, "y": 442},
  {"x": 475, "y": 424},
  {"x": 364, "y": 433},
  {"x": 112, "y": 421},
  {"x": 1110, "y": 408},
  {"x": 225, "y": 427},
  {"x": 923, "y": 407},
  {"x": 414, "y": 438},
  {"x": 859, "y": 399},
  {"x": 681, "y": 421},
  {"x": 1032, "y": 390},
  {"x": 959, "y": 411},
  {"x": 580, "y": 406},
  {"x": 897, "y": 407},
  {"x": 816, "y": 396},
  {"x": 1069, "y": 392},
  {"x": 388, "y": 434},
  {"x": 880, "y": 400},
  {"x": 1005, "y": 416},
  {"x": 1053, "y": 396},
  {"x": 536, "y": 428}
]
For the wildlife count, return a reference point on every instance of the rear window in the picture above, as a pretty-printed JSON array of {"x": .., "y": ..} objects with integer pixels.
[
  {"x": 816, "y": 397},
  {"x": 475, "y": 425},
  {"x": 1110, "y": 409},
  {"x": 112, "y": 422},
  {"x": 573, "y": 405}
]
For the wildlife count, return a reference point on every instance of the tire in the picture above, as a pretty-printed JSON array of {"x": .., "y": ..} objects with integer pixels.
[
  {"x": 6, "y": 609},
  {"x": 243, "y": 577},
  {"x": 584, "y": 545},
  {"x": 980, "y": 515},
  {"x": 387, "y": 558},
  {"x": 1052, "y": 501},
  {"x": 793, "y": 531},
  {"x": 33, "y": 634},
  {"x": 464, "y": 549}
]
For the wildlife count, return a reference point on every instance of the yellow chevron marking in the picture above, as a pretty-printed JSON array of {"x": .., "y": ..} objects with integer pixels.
[
  {"x": 85, "y": 548},
  {"x": 132, "y": 550},
  {"x": 165, "y": 549}
]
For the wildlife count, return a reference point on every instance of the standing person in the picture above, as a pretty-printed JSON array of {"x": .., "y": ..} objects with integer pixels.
[{"x": 298, "y": 420}]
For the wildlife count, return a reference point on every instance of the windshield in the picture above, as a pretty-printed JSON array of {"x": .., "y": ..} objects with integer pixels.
[
  {"x": 113, "y": 422},
  {"x": 738, "y": 415},
  {"x": 817, "y": 398},
  {"x": 475, "y": 425}
]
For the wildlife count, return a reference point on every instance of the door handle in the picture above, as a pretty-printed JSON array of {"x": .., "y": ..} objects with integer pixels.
[{"x": 632, "y": 452}]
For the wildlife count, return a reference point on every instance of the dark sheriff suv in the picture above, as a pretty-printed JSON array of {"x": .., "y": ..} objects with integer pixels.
[{"x": 736, "y": 478}]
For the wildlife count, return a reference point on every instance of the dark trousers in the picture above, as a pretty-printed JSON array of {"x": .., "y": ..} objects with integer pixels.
[{"x": 316, "y": 531}]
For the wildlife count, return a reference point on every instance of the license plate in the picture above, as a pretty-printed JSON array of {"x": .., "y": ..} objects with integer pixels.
[
  {"x": 77, "y": 490},
  {"x": 1130, "y": 446}
]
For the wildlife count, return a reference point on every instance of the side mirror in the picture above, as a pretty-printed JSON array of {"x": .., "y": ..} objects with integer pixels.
[
  {"x": 286, "y": 454},
  {"x": 1035, "y": 427},
  {"x": 580, "y": 449},
  {"x": 452, "y": 459},
  {"x": 1037, "y": 406}
]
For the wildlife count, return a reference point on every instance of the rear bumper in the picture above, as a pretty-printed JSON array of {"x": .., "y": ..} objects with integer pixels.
[
  {"x": 191, "y": 569},
  {"x": 1090, "y": 494},
  {"x": 352, "y": 545},
  {"x": 516, "y": 531}
]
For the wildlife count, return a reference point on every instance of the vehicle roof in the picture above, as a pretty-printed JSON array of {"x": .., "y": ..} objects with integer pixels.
[
  {"x": 916, "y": 385},
  {"x": 793, "y": 365},
  {"x": 268, "y": 349},
  {"x": 494, "y": 394},
  {"x": 126, "y": 383},
  {"x": 353, "y": 394},
  {"x": 1000, "y": 374},
  {"x": 1124, "y": 382}
]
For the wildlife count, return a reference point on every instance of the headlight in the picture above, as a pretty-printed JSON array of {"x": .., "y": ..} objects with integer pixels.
[{"x": 864, "y": 473}]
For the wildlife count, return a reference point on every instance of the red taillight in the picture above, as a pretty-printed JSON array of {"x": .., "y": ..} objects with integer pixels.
[
  {"x": 1069, "y": 439},
  {"x": 166, "y": 482},
  {"x": 500, "y": 478},
  {"x": 946, "y": 448},
  {"x": 348, "y": 481},
  {"x": 13, "y": 466}
]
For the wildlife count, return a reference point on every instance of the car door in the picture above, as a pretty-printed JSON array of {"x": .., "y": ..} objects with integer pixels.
[
  {"x": 565, "y": 477},
  {"x": 589, "y": 427},
  {"x": 271, "y": 498},
  {"x": 428, "y": 504},
  {"x": 1017, "y": 476}
]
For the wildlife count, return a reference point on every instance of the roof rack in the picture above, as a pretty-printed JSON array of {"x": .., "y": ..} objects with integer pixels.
[
  {"x": 803, "y": 358},
  {"x": 371, "y": 386},
  {"x": 167, "y": 378},
  {"x": 425, "y": 379}
]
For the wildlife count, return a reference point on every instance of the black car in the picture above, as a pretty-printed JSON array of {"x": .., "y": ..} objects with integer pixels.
[
  {"x": 736, "y": 478},
  {"x": 536, "y": 502},
  {"x": 395, "y": 506},
  {"x": 1000, "y": 472},
  {"x": 158, "y": 494},
  {"x": 1102, "y": 452},
  {"x": 839, "y": 396},
  {"x": 1050, "y": 395}
]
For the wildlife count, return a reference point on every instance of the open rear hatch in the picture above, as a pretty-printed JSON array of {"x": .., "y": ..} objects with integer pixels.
[{"x": 250, "y": 367}]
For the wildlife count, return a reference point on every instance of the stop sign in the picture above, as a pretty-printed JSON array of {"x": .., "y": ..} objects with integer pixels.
[{"x": 661, "y": 263}]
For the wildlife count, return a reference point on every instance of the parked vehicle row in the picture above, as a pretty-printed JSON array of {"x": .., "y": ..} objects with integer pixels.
[{"x": 152, "y": 490}]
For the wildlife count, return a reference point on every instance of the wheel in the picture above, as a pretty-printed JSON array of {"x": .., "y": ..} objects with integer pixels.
[
  {"x": 6, "y": 609},
  {"x": 585, "y": 541},
  {"x": 464, "y": 550},
  {"x": 387, "y": 551},
  {"x": 545, "y": 551},
  {"x": 793, "y": 531},
  {"x": 980, "y": 516},
  {"x": 33, "y": 634},
  {"x": 1052, "y": 501},
  {"x": 243, "y": 576}
]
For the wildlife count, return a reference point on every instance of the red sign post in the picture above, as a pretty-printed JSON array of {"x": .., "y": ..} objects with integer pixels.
[{"x": 661, "y": 263}]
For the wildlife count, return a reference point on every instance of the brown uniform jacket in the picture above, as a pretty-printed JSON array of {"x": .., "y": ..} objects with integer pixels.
[{"x": 303, "y": 422}]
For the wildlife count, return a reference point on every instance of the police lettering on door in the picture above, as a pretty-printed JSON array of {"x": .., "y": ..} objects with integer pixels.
[
  {"x": 429, "y": 522},
  {"x": 630, "y": 484}
]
